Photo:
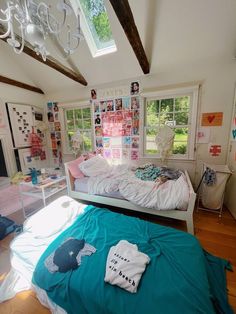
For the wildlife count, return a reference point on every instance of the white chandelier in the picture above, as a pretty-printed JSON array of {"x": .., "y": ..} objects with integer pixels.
[{"x": 35, "y": 23}]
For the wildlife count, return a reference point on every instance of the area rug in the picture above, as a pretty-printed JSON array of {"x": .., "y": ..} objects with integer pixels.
[{"x": 10, "y": 200}]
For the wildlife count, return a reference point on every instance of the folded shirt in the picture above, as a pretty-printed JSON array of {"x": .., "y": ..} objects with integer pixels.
[{"x": 125, "y": 266}]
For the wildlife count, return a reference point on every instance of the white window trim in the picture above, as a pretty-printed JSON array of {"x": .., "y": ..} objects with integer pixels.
[
  {"x": 193, "y": 91},
  {"x": 73, "y": 105}
]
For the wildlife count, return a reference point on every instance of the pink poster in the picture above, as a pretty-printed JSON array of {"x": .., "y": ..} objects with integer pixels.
[
  {"x": 116, "y": 153},
  {"x": 134, "y": 155}
]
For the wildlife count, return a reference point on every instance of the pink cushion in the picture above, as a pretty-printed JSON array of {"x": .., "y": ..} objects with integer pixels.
[{"x": 74, "y": 167}]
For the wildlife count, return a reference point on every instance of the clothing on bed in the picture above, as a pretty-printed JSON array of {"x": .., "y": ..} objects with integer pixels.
[
  {"x": 150, "y": 172},
  {"x": 177, "y": 280},
  {"x": 125, "y": 266},
  {"x": 68, "y": 255}
]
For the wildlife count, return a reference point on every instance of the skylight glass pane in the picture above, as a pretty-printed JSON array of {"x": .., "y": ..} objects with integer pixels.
[{"x": 98, "y": 23}]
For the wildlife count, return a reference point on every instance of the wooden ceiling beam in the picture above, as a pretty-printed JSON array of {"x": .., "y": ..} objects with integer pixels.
[
  {"x": 6, "y": 80},
  {"x": 125, "y": 16},
  {"x": 51, "y": 62}
]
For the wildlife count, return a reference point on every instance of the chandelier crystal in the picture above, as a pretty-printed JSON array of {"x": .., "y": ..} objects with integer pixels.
[{"x": 35, "y": 23}]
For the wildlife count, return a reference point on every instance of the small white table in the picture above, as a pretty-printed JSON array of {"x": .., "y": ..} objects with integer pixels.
[{"x": 42, "y": 190}]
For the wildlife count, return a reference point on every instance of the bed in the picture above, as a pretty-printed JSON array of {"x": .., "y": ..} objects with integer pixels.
[
  {"x": 180, "y": 278},
  {"x": 80, "y": 192}
]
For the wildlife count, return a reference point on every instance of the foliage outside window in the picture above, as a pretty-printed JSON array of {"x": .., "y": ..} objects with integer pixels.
[
  {"x": 79, "y": 119},
  {"x": 176, "y": 112},
  {"x": 96, "y": 26}
]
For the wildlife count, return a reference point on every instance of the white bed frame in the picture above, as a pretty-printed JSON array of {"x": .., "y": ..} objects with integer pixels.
[{"x": 185, "y": 215}]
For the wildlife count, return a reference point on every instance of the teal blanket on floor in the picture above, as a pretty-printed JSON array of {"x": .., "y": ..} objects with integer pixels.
[{"x": 181, "y": 277}]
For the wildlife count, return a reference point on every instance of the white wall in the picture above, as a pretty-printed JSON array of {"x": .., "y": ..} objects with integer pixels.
[
  {"x": 17, "y": 95},
  {"x": 217, "y": 78}
]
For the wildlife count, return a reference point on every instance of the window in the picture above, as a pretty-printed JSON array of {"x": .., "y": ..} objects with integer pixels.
[
  {"x": 95, "y": 26},
  {"x": 177, "y": 109},
  {"x": 78, "y": 119}
]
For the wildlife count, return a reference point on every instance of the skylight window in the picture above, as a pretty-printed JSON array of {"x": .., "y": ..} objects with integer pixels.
[{"x": 95, "y": 26}]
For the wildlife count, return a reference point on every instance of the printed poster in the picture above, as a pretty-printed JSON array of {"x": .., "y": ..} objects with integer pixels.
[{"x": 212, "y": 119}]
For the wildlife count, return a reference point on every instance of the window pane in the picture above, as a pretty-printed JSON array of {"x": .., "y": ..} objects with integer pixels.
[
  {"x": 180, "y": 148},
  {"x": 86, "y": 113},
  {"x": 167, "y": 105},
  {"x": 78, "y": 114},
  {"x": 152, "y": 113},
  {"x": 79, "y": 124},
  {"x": 69, "y": 114},
  {"x": 151, "y": 147},
  {"x": 69, "y": 136},
  {"x": 166, "y": 118},
  {"x": 181, "y": 118},
  {"x": 180, "y": 141},
  {"x": 182, "y": 103},
  {"x": 87, "y": 141},
  {"x": 87, "y": 124},
  {"x": 70, "y": 125}
]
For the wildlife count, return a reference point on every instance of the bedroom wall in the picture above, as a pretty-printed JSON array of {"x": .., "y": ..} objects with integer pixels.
[{"x": 217, "y": 78}]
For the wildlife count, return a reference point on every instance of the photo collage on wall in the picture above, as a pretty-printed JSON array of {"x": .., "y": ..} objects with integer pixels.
[
  {"x": 117, "y": 125},
  {"x": 55, "y": 132}
]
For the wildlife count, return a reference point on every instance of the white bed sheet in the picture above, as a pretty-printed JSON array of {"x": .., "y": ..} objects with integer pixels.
[{"x": 81, "y": 185}]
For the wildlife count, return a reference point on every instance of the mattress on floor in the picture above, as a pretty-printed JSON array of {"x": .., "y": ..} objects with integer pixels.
[{"x": 81, "y": 185}]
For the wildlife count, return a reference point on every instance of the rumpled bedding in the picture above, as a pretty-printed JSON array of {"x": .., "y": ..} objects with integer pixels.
[{"x": 172, "y": 194}]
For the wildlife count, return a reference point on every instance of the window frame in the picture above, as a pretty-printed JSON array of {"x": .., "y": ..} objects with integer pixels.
[
  {"x": 95, "y": 51},
  {"x": 62, "y": 111},
  {"x": 193, "y": 92}
]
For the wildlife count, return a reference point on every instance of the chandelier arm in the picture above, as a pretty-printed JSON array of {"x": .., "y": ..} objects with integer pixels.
[
  {"x": 26, "y": 4},
  {"x": 18, "y": 51},
  {"x": 48, "y": 16}
]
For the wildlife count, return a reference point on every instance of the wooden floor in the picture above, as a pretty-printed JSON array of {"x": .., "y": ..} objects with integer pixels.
[{"x": 217, "y": 236}]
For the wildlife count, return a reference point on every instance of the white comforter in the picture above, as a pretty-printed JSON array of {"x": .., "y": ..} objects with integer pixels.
[
  {"x": 39, "y": 231},
  {"x": 169, "y": 195}
]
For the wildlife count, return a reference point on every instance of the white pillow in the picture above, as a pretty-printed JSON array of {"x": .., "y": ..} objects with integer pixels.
[
  {"x": 94, "y": 166},
  {"x": 54, "y": 218}
]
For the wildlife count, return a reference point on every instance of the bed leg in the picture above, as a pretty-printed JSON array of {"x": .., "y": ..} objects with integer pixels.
[{"x": 190, "y": 227}]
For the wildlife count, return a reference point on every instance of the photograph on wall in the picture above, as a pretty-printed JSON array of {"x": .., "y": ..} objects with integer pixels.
[
  {"x": 50, "y": 116},
  {"x": 58, "y": 135},
  {"x": 135, "y": 142},
  {"x": 56, "y": 116},
  {"x": 118, "y": 103},
  {"x": 99, "y": 142},
  {"x": 55, "y": 107},
  {"x": 134, "y": 103},
  {"x": 134, "y": 88},
  {"x": 126, "y": 103},
  {"x": 134, "y": 155},
  {"x": 96, "y": 107},
  {"x": 110, "y": 105},
  {"x": 125, "y": 154},
  {"x": 43, "y": 155},
  {"x": 126, "y": 141},
  {"x": 51, "y": 126},
  {"x": 98, "y": 131},
  {"x": 106, "y": 142},
  {"x": 57, "y": 126},
  {"x": 99, "y": 151},
  {"x": 49, "y": 106},
  {"x": 116, "y": 153},
  {"x": 103, "y": 106},
  {"x": 93, "y": 93},
  {"x": 107, "y": 153},
  {"x": 116, "y": 142},
  {"x": 212, "y": 119},
  {"x": 97, "y": 119}
]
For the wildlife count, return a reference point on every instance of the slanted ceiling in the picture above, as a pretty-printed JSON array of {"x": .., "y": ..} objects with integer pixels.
[{"x": 174, "y": 34}]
